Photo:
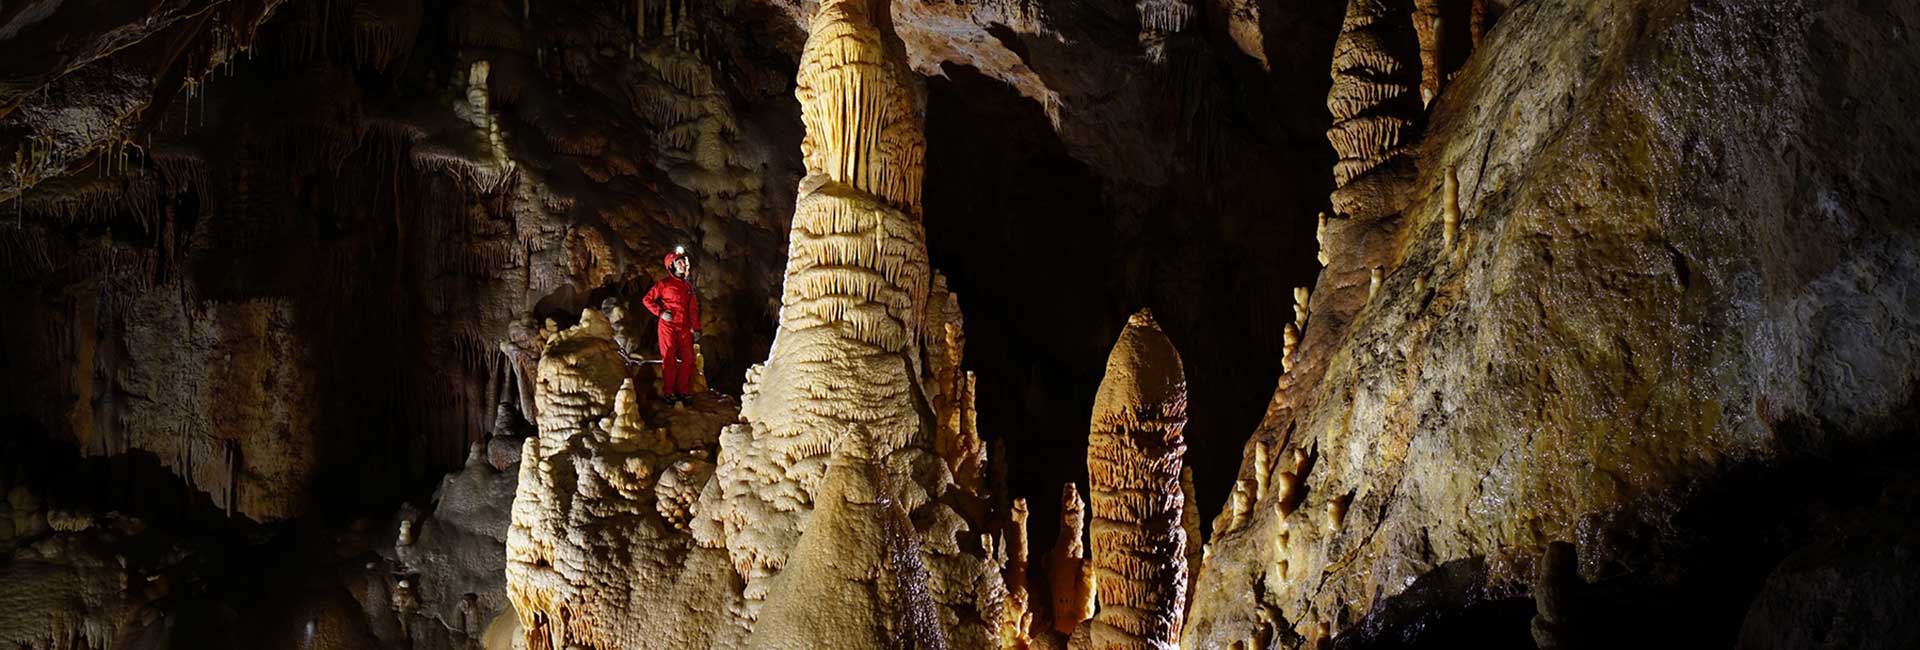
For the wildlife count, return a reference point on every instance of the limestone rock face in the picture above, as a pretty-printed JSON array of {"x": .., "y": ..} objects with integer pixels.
[
  {"x": 1674, "y": 257},
  {"x": 1134, "y": 453},
  {"x": 67, "y": 591}
]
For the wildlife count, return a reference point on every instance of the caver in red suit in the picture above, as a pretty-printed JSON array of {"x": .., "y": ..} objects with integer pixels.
[{"x": 673, "y": 301}]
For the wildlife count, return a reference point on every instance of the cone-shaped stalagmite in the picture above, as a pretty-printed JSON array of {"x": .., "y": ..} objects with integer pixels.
[
  {"x": 1134, "y": 458},
  {"x": 855, "y": 580}
]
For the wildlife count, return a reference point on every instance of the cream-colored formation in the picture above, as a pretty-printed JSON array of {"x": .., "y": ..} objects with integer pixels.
[
  {"x": 1159, "y": 20},
  {"x": 951, "y": 389},
  {"x": 478, "y": 111},
  {"x": 1135, "y": 453},
  {"x": 856, "y": 580},
  {"x": 591, "y": 537},
  {"x": 1016, "y": 623},
  {"x": 1067, "y": 569},
  {"x": 1430, "y": 25}
]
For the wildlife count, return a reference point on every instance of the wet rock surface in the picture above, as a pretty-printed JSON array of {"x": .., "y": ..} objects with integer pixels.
[{"x": 1645, "y": 298}]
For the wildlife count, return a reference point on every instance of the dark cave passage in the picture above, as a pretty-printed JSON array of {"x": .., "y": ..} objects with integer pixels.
[{"x": 1049, "y": 259}]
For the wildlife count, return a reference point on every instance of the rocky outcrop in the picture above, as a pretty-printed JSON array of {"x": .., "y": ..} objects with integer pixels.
[
  {"x": 1134, "y": 454},
  {"x": 588, "y": 542},
  {"x": 1634, "y": 303}
]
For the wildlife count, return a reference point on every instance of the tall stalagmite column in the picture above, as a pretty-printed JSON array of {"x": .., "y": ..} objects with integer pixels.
[
  {"x": 858, "y": 347},
  {"x": 847, "y": 350},
  {"x": 1375, "y": 73},
  {"x": 1134, "y": 457}
]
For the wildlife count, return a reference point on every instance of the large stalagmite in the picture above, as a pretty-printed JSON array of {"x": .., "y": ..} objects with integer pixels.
[
  {"x": 846, "y": 353},
  {"x": 858, "y": 347},
  {"x": 1373, "y": 102},
  {"x": 1134, "y": 458}
]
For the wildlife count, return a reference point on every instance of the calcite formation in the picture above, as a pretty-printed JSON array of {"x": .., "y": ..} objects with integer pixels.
[
  {"x": 1373, "y": 103},
  {"x": 1068, "y": 572},
  {"x": 849, "y": 352},
  {"x": 856, "y": 580},
  {"x": 587, "y": 542},
  {"x": 1016, "y": 624},
  {"x": 1135, "y": 453},
  {"x": 1429, "y": 24},
  {"x": 1159, "y": 20}
]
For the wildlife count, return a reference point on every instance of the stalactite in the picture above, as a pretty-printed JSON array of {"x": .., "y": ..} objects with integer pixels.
[
  {"x": 1290, "y": 339},
  {"x": 861, "y": 110},
  {"x": 1300, "y": 296},
  {"x": 1134, "y": 460},
  {"x": 1320, "y": 238},
  {"x": 1430, "y": 26},
  {"x": 1159, "y": 20}
]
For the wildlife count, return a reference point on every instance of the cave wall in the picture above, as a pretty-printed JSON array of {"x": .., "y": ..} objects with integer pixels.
[
  {"x": 282, "y": 246},
  {"x": 1682, "y": 257}
]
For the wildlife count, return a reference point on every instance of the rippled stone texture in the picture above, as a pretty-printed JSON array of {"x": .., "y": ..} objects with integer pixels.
[{"x": 1134, "y": 462}]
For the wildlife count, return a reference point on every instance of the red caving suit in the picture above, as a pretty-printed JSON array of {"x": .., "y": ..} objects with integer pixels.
[{"x": 674, "y": 294}]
